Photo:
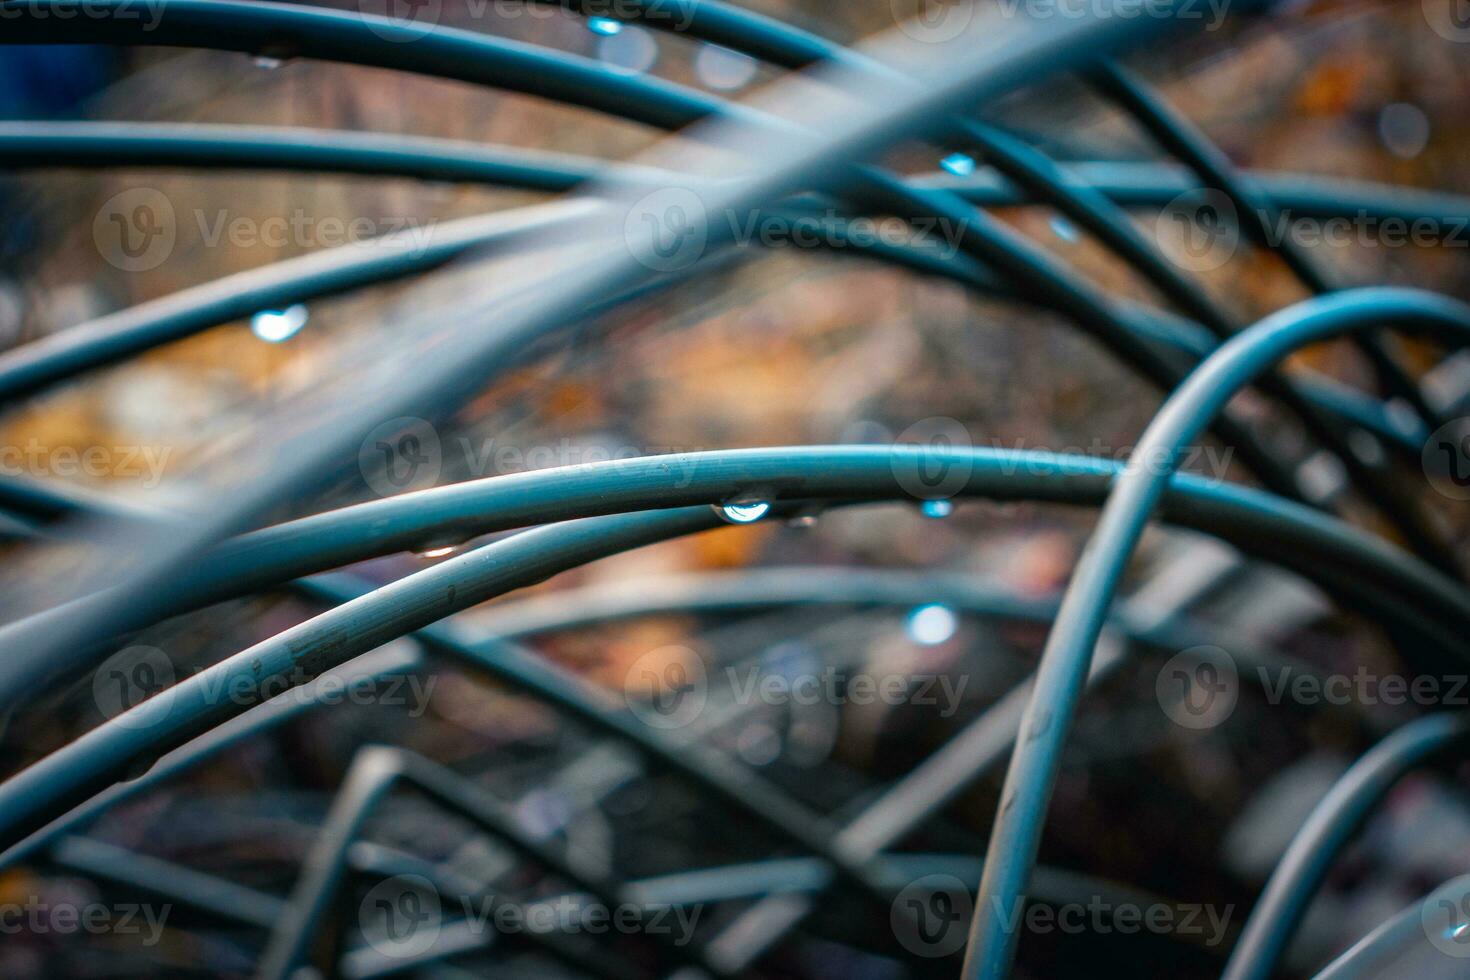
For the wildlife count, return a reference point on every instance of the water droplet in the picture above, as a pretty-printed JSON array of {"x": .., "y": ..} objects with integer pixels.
[
  {"x": 932, "y": 624},
  {"x": 759, "y": 744},
  {"x": 606, "y": 26},
  {"x": 721, "y": 68},
  {"x": 438, "y": 552},
  {"x": 1367, "y": 446},
  {"x": 1064, "y": 229},
  {"x": 631, "y": 49},
  {"x": 744, "y": 512},
  {"x": 936, "y": 508},
  {"x": 545, "y": 811},
  {"x": 1404, "y": 129},
  {"x": 866, "y": 432},
  {"x": 267, "y": 62},
  {"x": 274, "y": 326},
  {"x": 958, "y": 164}
]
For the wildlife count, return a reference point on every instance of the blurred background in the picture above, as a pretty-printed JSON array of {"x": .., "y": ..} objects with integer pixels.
[{"x": 785, "y": 346}]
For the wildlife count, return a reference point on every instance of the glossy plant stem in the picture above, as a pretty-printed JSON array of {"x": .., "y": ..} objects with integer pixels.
[{"x": 1064, "y": 665}]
